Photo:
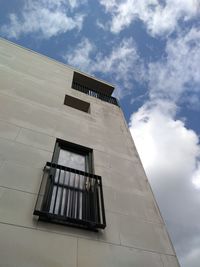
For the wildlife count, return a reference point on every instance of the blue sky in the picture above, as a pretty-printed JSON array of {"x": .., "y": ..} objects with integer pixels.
[{"x": 150, "y": 50}]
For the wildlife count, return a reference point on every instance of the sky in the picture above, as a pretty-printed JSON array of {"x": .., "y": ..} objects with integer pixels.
[{"x": 150, "y": 51}]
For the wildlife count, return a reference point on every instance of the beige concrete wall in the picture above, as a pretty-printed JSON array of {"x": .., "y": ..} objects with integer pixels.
[{"x": 32, "y": 116}]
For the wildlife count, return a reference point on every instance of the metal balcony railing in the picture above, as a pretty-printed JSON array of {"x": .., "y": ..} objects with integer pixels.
[
  {"x": 72, "y": 197},
  {"x": 91, "y": 92}
]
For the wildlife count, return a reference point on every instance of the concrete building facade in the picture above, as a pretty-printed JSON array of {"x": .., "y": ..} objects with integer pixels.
[{"x": 38, "y": 107}]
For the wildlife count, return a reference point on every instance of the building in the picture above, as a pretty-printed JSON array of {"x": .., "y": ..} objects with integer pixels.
[{"x": 67, "y": 156}]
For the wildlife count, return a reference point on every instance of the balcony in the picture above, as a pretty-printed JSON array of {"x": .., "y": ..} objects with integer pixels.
[
  {"x": 71, "y": 197},
  {"x": 86, "y": 90}
]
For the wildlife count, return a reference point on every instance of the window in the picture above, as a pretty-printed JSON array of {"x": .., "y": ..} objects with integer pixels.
[
  {"x": 70, "y": 193},
  {"x": 77, "y": 103}
]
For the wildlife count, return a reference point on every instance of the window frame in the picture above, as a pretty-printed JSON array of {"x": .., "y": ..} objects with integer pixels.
[
  {"x": 74, "y": 148},
  {"x": 86, "y": 207}
]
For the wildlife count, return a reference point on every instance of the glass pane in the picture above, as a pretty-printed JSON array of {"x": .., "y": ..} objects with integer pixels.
[{"x": 72, "y": 160}]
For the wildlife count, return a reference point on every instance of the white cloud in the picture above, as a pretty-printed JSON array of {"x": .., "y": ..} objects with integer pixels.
[
  {"x": 168, "y": 149},
  {"x": 172, "y": 77},
  {"x": 80, "y": 56},
  {"x": 116, "y": 65},
  {"x": 102, "y": 25},
  {"x": 178, "y": 73},
  {"x": 192, "y": 258},
  {"x": 159, "y": 17},
  {"x": 170, "y": 152},
  {"x": 46, "y": 18},
  {"x": 196, "y": 177}
]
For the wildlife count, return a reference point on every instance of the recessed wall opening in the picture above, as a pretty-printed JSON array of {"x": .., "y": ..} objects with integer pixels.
[
  {"x": 76, "y": 103},
  {"x": 92, "y": 84},
  {"x": 94, "y": 88}
]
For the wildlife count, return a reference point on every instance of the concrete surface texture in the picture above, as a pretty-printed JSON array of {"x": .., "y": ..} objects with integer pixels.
[{"x": 32, "y": 116}]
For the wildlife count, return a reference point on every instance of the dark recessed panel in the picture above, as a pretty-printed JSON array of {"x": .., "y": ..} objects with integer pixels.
[
  {"x": 77, "y": 103},
  {"x": 93, "y": 84}
]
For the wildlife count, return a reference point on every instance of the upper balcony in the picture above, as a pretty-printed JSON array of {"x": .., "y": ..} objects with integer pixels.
[{"x": 94, "y": 88}]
